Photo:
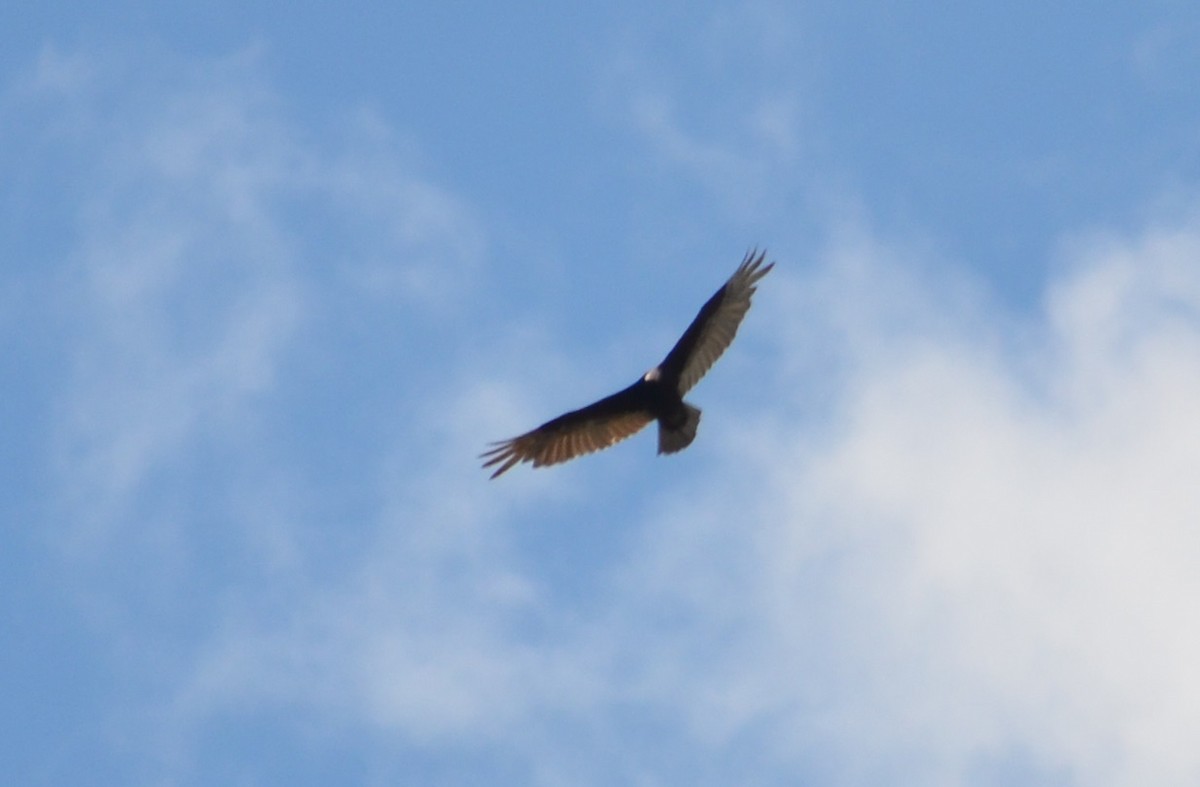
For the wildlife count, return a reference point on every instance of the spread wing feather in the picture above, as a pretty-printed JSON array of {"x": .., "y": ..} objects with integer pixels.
[
  {"x": 576, "y": 433},
  {"x": 713, "y": 329}
]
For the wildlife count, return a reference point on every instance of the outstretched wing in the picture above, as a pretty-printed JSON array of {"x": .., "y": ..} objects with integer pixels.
[
  {"x": 576, "y": 433},
  {"x": 715, "y": 326}
]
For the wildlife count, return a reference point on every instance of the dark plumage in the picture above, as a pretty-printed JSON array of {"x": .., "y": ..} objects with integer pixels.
[{"x": 657, "y": 396}]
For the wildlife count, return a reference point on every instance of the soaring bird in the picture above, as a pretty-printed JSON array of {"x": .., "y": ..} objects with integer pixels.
[{"x": 657, "y": 396}]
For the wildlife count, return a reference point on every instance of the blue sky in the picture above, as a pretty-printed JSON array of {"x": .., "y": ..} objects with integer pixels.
[{"x": 273, "y": 277}]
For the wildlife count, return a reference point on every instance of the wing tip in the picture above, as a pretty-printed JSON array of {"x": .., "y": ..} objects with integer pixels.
[
  {"x": 751, "y": 271},
  {"x": 752, "y": 263},
  {"x": 503, "y": 453}
]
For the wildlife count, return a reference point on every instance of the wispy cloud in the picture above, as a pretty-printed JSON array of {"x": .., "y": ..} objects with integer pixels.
[
  {"x": 745, "y": 151},
  {"x": 183, "y": 285},
  {"x": 206, "y": 220},
  {"x": 222, "y": 265}
]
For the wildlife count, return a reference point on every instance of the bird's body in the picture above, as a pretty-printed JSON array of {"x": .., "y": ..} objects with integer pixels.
[{"x": 657, "y": 396}]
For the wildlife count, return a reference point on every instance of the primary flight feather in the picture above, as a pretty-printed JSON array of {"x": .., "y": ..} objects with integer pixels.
[{"x": 657, "y": 396}]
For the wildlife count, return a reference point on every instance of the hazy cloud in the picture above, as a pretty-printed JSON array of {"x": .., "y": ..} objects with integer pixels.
[{"x": 205, "y": 222}]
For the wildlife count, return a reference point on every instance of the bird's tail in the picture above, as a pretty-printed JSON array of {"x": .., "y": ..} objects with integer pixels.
[{"x": 677, "y": 438}]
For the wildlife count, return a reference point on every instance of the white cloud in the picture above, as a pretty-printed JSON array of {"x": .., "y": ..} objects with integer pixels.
[{"x": 992, "y": 548}]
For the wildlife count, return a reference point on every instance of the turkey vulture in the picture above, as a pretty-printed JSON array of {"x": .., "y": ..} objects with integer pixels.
[{"x": 657, "y": 396}]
